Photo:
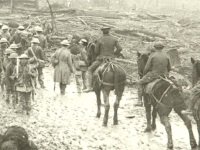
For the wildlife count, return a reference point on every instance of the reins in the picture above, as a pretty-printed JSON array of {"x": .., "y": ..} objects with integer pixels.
[{"x": 159, "y": 101}]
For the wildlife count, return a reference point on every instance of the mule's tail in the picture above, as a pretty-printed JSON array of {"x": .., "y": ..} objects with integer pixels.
[{"x": 119, "y": 80}]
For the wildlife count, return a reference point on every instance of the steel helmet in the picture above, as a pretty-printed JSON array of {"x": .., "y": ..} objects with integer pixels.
[
  {"x": 13, "y": 55},
  {"x": 38, "y": 29},
  {"x": 3, "y": 40},
  {"x": 13, "y": 46},
  {"x": 8, "y": 51},
  {"x": 23, "y": 56},
  {"x": 21, "y": 28},
  {"x": 35, "y": 40},
  {"x": 5, "y": 27},
  {"x": 65, "y": 42}
]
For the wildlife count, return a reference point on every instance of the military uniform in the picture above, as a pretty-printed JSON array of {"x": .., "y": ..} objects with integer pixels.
[
  {"x": 38, "y": 52},
  {"x": 10, "y": 88},
  {"x": 157, "y": 65},
  {"x": 16, "y": 38},
  {"x": 43, "y": 41},
  {"x": 81, "y": 66},
  {"x": 105, "y": 48},
  {"x": 24, "y": 84},
  {"x": 63, "y": 66}
]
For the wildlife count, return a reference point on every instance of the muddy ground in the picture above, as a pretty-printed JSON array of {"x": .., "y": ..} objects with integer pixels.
[{"x": 68, "y": 122}]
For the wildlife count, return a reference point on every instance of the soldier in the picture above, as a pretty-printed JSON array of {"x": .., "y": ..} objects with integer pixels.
[
  {"x": 3, "y": 46},
  {"x": 25, "y": 41},
  {"x": 74, "y": 46},
  {"x": 13, "y": 47},
  {"x": 24, "y": 83},
  {"x": 105, "y": 48},
  {"x": 43, "y": 40},
  {"x": 16, "y": 38},
  {"x": 80, "y": 65},
  {"x": 91, "y": 55},
  {"x": 62, "y": 62},
  {"x": 150, "y": 49},
  {"x": 6, "y": 61},
  {"x": 9, "y": 80},
  {"x": 36, "y": 55},
  {"x": 5, "y": 33},
  {"x": 157, "y": 65}
]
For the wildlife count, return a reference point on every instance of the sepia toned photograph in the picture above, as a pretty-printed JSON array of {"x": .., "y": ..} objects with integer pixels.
[{"x": 99, "y": 74}]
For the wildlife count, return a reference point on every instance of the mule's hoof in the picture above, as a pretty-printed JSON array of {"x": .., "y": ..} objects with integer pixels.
[
  {"x": 104, "y": 124},
  {"x": 194, "y": 145},
  {"x": 148, "y": 129},
  {"x": 98, "y": 115},
  {"x": 115, "y": 123},
  {"x": 153, "y": 127},
  {"x": 170, "y": 146}
]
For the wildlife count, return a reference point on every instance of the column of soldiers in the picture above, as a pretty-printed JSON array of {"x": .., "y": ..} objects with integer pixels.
[{"x": 22, "y": 59}]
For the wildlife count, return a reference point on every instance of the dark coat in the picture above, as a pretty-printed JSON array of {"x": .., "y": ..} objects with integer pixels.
[
  {"x": 106, "y": 46},
  {"x": 43, "y": 41},
  {"x": 38, "y": 53},
  {"x": 9, "y": 72},
  {"x": 159, "y": 63},
  {"x": 64, "y": 67}
]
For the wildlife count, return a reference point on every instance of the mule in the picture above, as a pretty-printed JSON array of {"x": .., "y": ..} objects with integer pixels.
[
  {"x": 108, "y": 77},
  {"x": 164, "y": 98},
  {"x": 195, "y": 79}
]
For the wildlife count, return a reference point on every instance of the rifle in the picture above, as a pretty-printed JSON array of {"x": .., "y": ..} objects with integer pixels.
[{"x": 37, "y": 60}]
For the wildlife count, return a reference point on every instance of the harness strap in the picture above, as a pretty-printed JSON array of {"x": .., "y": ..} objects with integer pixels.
[
  {"x": 110, "y": 64},
  {"x": 160, "y": 100}
]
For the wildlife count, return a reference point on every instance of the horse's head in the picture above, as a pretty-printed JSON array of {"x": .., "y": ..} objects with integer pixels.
[
  {"x": 195, "y": 71},
  {"x": 141, "y": 61}
]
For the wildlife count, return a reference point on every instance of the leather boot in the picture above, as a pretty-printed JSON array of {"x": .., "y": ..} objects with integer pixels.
[
  {"x": 88, "y": 82},
  {"x": 140, "y": 94}
]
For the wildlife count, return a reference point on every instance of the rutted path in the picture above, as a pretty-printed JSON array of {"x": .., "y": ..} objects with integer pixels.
[{"x": 69, "y": 122}]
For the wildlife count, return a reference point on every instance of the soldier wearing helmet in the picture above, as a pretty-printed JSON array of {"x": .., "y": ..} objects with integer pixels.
[
  {"x": 3, "y": 46},
  {"x": 24, "y": 75},
  {"x": 5, "y": 32},
  {"x": 9, "y": 81},
  {"x": 36, "y": 55},
  {"x": 157, "y": 65},
  {"x": 43, "y": 40},
  {"x": 16, "y": 38}
]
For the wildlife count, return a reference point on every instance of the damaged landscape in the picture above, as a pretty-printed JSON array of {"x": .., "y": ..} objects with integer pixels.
[{"x": 68, "y": 122}]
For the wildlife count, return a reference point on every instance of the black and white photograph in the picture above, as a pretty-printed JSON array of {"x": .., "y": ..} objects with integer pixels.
[{"x": 99, "y": 74}]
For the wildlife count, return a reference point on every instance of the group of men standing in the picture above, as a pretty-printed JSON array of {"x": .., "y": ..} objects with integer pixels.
[{"x": 22, "y": 59}]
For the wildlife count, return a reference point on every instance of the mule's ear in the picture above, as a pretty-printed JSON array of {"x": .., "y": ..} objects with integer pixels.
[
  {"x": 138, "y": 54},
  {"x": 192, "y": 60}
]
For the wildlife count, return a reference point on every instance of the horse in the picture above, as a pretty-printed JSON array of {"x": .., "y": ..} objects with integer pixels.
[
  {"x": 108, "y": 77},
  {"x": 164, "y": 98},
  {"x": 195, "y": 79}
]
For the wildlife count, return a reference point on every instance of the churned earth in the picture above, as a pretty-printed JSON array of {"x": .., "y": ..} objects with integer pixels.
[{"x": 69, "y": 123}]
